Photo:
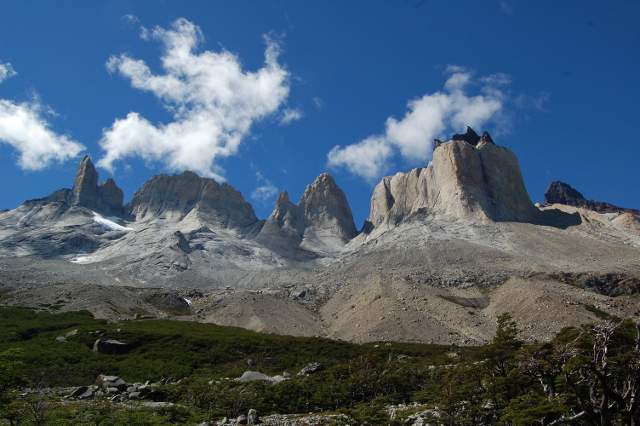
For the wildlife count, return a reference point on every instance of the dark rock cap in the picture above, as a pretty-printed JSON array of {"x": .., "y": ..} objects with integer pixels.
[{"x": 563, "y": 193}]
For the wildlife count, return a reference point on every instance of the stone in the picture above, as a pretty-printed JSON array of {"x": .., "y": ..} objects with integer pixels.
[
  {"x": 78, "y": 391},
  {"x": 256, "y": 376},
  {"x": 110, "y": 346},
  {"x": 111, "y": 382},
  {"x": 61, "y": 339},
  {"x": 252, "y": 417},
  {"x": 241, "y": 419},
  {"x": 310, "y": 368}
]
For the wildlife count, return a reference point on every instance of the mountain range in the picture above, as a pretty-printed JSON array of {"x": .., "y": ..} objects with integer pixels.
[{"x": 445, "y": 249}]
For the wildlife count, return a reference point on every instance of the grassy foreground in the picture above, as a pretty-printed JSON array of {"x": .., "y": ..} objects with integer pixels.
[{"x": 584, "y": 376}]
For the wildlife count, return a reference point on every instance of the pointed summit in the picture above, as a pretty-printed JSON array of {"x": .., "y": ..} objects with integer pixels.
[
  {"x": 325, "y": 206},
  {"x": 85, "y": 185},
  {"x": 320, "y": 223},
  {"x": 563, "y": 193},
  {"x": 470, "y": 136},
  {"x": 106, "y": 198}
]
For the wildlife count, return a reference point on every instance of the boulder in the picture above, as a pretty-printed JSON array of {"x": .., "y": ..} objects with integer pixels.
[
  {"x": 111, "y": 347},
  {"x": 83, "y": 392},
  {"x": 256, "y": 376},
  {"x": 111, "y": 382},
  {"x": 310, "y": 368},
  {"x": 252, "y": 417}
]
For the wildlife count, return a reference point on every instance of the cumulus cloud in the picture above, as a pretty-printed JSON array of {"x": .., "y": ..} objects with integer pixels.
[
  {"x": 290, "y": 115},
  {"x": 212, "y": 100},
  {"x": 24, "y": 127},
  {"x": 6, "y": 71},
  {"x": 266, "y": 191},
  {"x": 428, "y": 117},
  {"x": 367, "y": 158}
]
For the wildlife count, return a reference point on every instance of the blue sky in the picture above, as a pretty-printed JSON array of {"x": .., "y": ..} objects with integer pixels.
[{"x": 557, "y": 82}]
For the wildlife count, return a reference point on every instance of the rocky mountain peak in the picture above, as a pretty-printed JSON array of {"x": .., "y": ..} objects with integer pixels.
[
  {"x": 320, "y": 222},
  {"x": 106, "y": 198},
  {"x": 469, "y": 177},
  {"x": 324, "y": 205},
  {"x": 470, "y": 136},
  {"x": 85, "y": 185},
  {"x": 173, "y": 197},
  {"x": 562, "y": 193}
]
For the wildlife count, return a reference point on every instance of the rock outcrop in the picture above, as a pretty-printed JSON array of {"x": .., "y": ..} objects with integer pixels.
[
  {"x": 175, "y": 197},
  {"x": 106, "y": 198},
  {"x": 469, "y": 177},
  {"x": 563, "y": 193},
  {"x": 321, "y": 222}
]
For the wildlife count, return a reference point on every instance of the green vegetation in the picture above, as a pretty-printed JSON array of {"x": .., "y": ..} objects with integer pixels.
[{"x": 589, "y": 375}]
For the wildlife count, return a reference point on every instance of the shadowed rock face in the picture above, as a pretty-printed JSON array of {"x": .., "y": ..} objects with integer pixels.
[
  {"x": 563, "y": 193},
  {"x": 325, "y": 206},
  {"x": 469, "y": 177},
  {"x": 174, "y": 197},
  {"x": 106, "y": 198},
  {"x": 85, "y": 185}
]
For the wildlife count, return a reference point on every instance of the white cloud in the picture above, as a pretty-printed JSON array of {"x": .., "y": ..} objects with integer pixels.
[
  {"x": 6, "y": 71},
  {"x": 213, "y": 101},
  {"x": 290, "y": 115},
  {"x": 428, "y": 117},
  {"x": 266, "y": 190},
  {"x": 24, "y": 127},
  {"x": 367, "y": 158},
  {"x": 131, "y": 19}
]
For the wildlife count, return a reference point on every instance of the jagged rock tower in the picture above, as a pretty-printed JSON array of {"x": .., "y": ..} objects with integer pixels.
[
  {"x": 106, "y": 198},
  {"x": 321, "y": 222},
  {"x": 469, "y": 177}
]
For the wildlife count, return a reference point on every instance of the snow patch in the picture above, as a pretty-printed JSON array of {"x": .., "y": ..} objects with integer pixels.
[
  {"x": 84, "y": 259},
  {"x": 109, "y": 223},
  {"x": 189, "y": 302}
]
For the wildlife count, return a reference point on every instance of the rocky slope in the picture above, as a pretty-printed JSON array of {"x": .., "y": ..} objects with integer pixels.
[{"x": 446, "y": 248}]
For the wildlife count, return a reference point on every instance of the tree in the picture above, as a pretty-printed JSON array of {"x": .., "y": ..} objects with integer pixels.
[{"x": 10, "y": 380}]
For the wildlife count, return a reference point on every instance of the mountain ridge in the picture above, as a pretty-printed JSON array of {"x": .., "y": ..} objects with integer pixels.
[{"x": 446, "y": 248}]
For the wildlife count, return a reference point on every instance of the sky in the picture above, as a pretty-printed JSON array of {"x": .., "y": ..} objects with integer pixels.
[{"x": 266, "y": 95}]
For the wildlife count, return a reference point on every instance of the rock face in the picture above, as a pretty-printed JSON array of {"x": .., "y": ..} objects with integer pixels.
[
  {"x": 175, "y": 197},
  {"x": 563, "y": 193},
  {"x": 321, "y": 221},
  {"x": 469, "y": 177},
  {"x": 106, "y": 198}
]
